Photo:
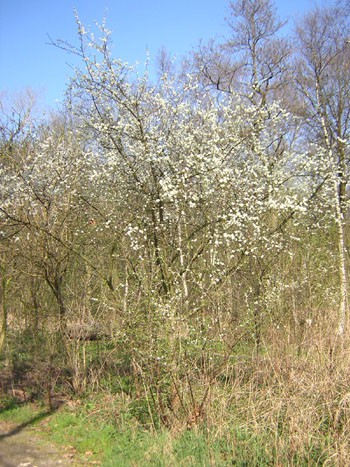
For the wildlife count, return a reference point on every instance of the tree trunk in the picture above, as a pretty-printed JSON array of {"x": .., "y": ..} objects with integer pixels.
[
  {"x": 3, "y": 311},
  {"x": 339, "y": 189},
  {"x": 343, "y": 286}
]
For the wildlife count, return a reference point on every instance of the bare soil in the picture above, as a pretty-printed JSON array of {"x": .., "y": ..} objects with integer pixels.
[{"x": 25, "y": 447}]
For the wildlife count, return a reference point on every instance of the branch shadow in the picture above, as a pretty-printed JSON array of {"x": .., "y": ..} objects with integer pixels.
[{"x": 37, "y": 418}]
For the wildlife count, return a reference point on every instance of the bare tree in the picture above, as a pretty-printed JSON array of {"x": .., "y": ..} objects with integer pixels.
[
  {"x": 253, "y": 60},
  {"x": 16, "y": 125},
  {"x": 323, "y": 76}
]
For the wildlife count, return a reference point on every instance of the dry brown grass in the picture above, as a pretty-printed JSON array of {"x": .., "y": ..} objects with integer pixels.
[{"x": 294, "y": 395}]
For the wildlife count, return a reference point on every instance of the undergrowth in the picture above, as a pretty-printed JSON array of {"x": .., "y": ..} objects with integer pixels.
[{"x": 286, "y": 405}]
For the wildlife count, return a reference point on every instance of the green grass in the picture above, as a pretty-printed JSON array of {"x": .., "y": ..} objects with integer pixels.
[
  {"x": 85, "y": 435},
  {"x": 128, "y": 444},
  {"x": 17, "y": 413},
  {"x": 89, "y": 427}
]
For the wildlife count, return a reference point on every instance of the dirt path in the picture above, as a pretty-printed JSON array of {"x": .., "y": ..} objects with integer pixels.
[{"x": 24, "y": 447}]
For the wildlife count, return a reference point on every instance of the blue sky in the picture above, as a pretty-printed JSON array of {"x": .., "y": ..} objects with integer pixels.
[{"x": 26, "y": 59}]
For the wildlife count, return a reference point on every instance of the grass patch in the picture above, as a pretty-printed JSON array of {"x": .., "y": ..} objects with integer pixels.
[
  {"x": 275, "y": 408},
  {"x": 19, "y": 413},
  {"x": 90, "y": 429},
  {"x": 86, "y": 435}
]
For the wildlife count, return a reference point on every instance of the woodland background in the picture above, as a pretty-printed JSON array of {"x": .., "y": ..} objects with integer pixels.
[{"x": 179, "y": 244}]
